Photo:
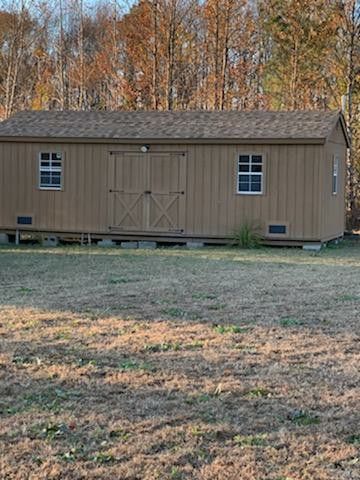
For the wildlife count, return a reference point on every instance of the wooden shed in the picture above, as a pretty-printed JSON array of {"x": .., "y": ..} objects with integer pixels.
[{"x": 174, "y": 176}]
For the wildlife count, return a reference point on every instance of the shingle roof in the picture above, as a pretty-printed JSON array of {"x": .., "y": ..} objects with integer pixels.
[{"x": 183, "y": 125}]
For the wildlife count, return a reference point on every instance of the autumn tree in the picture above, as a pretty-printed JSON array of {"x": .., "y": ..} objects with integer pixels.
[
  {"x": 302, "y": 36},
  {"x": 346, "y": 69},
  {"x": 18, "y": 33}
]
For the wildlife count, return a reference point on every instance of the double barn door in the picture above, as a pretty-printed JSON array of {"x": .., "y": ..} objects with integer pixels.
[{"x": 147, "y": 192}]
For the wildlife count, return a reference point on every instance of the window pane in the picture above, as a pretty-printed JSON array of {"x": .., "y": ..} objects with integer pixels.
[
  {"x": 244, "y": 187},
  {"x": 44, "y": 179},
  {"x": 256, "y": 183},
  {"x": 334, "y": 185},
  {"x": 45, "y": 156},
  {"x": 55, "y": 181},
  {"x": 244, "y": 178},
  {"x": 45, "y": 164},
  {"x": 56, "y": 164},
  {"x": 256, "y": 159},
  {"x": 55, "y": 178},
  {"x": 335, "y": 166},
  {"x": 256, "y": 168},
  {"x": 244, "y": 183},
  {"x": 56, "y": 156},
  {"x": 244, "y": 168},
  {"x": 255, "y": 187},
  {"x": 244, "y": 159},
  {"x": 256, "y": 178}
]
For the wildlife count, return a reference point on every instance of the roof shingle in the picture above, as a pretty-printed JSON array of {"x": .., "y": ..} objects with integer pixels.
[{"x": 183, "y": 125}]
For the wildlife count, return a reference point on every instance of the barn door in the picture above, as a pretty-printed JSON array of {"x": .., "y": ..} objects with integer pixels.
[
  {"x": 127, "y": 178},
  {"x": 166, "y": 196},
  {"x": 147, "y": 192}
]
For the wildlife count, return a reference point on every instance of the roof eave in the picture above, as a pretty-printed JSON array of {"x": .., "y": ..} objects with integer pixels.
[{"x": 213, "y": 141}]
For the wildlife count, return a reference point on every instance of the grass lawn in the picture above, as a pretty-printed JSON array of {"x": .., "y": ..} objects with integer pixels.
[{"x": 214, "y": 364}]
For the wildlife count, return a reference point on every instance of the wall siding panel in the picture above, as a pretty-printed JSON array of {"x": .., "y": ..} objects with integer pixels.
[{"x": 296, "y": 187}]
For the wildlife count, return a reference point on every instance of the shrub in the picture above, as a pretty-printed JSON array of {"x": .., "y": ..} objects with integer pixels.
[{"x": 247, "y": 235}]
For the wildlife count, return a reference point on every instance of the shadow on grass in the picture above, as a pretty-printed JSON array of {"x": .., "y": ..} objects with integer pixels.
[
  {"x": 216, "y": 285},
  {"x": 128, "y": 408},
  {"x": 276, "y": 379}
]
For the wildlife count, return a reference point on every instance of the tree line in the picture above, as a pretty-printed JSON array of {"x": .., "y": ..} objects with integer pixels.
[{"x": 183, "y": 54}]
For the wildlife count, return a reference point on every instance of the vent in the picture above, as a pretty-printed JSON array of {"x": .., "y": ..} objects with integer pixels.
[
  {"x": 24, "y": 220},
  {"x": 277, "y": 229}
]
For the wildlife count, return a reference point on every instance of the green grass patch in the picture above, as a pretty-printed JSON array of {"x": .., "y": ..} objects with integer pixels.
[
  {"x": 354, "y": 439},
  {"x": 195, "y": 345},
  {"x": 258, "y": 392},
  {"x": 52, "y": 399},
  {"x": 203, "y": 296},
  {"x": 162, "y": 347},
  {"x": 302, "y": 418},
  {"x": 196, "y": 399},
  {"x": 174, "y": 312},
  {"x": 135, "y": 365},
  {"x": 25, "y": 290},
  {"x": 250, "y": 349},
  {"x": 349, "y": 298},
  {"x": 103, "y": 458},
  {"x": 223, "y": 329},
  {"x": 176, "y": 474},
  {"x": 289, "y": 322},
  {"x": 25, "y": 360},
  {"x": 119, "y": 434},
  {"x": 250, "y": 440},
  {"x": 49, "y": 431},
  {"x": 217, "y": 306},
  {"x": 73, "y": 454}
]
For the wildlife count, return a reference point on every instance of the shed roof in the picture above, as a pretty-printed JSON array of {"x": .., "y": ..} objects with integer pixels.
[{"x": 178, "y": 125}]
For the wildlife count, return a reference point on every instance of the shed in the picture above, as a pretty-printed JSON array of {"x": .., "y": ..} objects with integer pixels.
[{"x": 174, "y": 176}]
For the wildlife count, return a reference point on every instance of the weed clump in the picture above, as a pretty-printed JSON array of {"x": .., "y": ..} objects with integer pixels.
[{"x": 247, "y": 235}]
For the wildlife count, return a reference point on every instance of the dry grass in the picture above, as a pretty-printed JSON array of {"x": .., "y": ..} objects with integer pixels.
[{"x": 172, "y": 364}]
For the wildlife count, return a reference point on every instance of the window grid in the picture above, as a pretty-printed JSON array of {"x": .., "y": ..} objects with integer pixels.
[
  {"x": 250, "y": 174},
  {"x": 50, "y": 171}
]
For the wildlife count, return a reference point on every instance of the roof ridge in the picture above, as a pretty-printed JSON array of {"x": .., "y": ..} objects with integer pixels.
[{"x": 185, "y": 124}]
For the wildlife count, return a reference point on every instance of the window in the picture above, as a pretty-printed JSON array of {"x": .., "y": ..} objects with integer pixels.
[
  {"x": 250, "y": 174},
  {"x": 50, "y": 170},
  {"x": 335, "y": 175}
]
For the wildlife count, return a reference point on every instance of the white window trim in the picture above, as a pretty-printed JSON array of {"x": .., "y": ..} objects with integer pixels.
[
  {"x": 238, "y": 173},
  {"x": 59, "y": 169},
  {"x": 335, "y": 174}
]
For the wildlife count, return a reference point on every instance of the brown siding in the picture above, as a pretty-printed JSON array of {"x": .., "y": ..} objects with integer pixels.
[
  {"x": 293, "y": 178},
  {"x": 333, "y": 206}
]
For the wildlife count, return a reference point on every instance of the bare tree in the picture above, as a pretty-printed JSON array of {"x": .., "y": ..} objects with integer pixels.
[{"x": 349, "y": 36}]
